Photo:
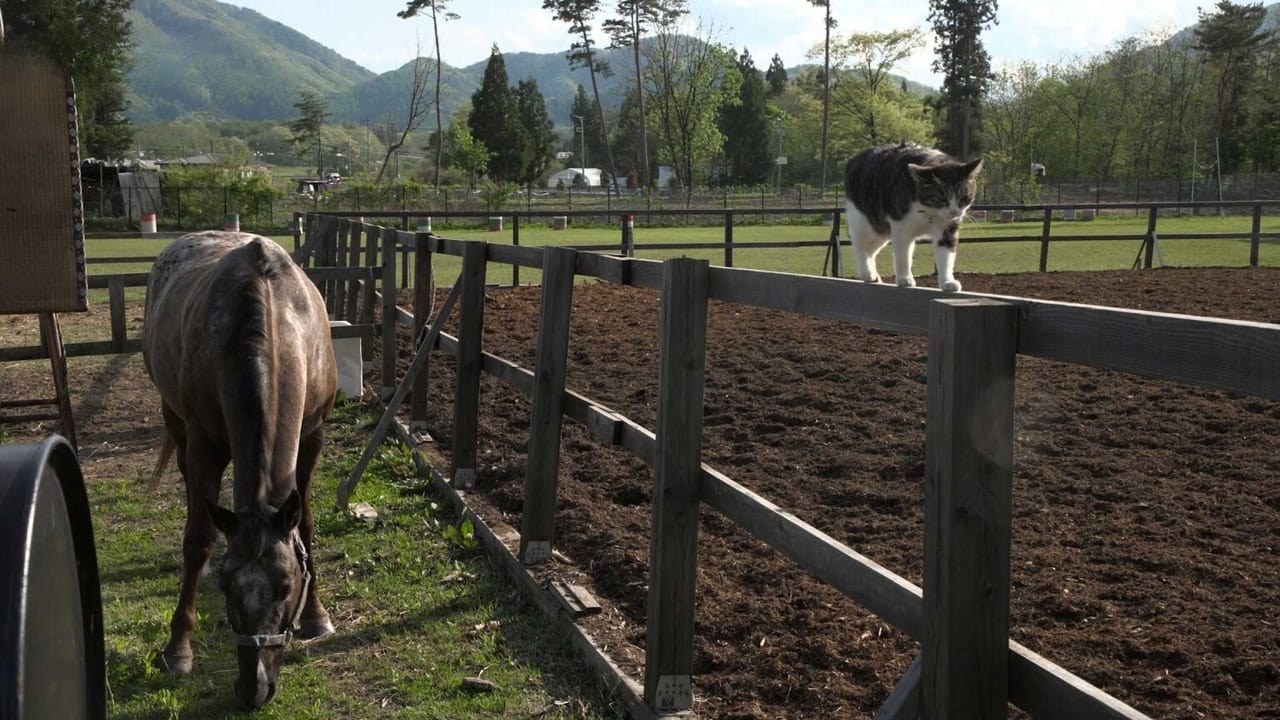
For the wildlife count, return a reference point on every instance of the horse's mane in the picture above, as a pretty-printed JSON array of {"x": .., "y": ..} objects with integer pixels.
[{"x": 244, "y": 292}]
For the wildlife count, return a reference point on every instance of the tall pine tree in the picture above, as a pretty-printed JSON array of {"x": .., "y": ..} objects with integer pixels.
[
  {"x": 776, "y": 77},
  {"x": 965, "y": 67},
  {"x": 537, "y": 130},
  {"x": 582, "y": 54},
  {"x": 493, "y": 121},
  {"x": 582, "y": 114},
  {"x": 1232, "y": 38},
  {"x": 745, "y": 126}
]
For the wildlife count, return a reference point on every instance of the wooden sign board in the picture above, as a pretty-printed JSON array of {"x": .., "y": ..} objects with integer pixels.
[{"x": 42, "y": 267}]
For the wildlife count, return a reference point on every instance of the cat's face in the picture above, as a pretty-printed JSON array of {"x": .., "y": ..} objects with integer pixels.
[{"x": 949, "y": 188}]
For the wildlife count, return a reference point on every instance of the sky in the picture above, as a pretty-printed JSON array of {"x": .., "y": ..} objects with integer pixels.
[{"x": 368, "y": 31}]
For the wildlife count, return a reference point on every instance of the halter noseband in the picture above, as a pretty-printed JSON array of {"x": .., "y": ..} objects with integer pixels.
[{"x": 283, "y": 638}]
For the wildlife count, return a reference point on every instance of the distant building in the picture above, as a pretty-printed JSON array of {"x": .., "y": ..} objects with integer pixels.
[{"x": 594, "y": 177}]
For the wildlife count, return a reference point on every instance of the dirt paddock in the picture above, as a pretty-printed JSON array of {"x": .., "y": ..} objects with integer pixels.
[{"x": 1146, "y": 514}]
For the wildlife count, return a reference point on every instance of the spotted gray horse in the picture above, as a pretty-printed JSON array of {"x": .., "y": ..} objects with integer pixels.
[{"x": 236, "y": 340}]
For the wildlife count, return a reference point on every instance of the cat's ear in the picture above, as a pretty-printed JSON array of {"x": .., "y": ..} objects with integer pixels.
[
  {"x": 973, "y": 168},
  {"x": 919, "y": 173}
]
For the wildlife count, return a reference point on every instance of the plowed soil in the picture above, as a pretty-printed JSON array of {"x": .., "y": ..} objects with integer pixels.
[{"x": 1146, "y": 513}]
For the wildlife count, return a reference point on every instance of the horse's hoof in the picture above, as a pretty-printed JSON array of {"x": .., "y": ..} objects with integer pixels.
[
  {"x": 174, "y": 663},
  {"x": 312, "y": 628}
]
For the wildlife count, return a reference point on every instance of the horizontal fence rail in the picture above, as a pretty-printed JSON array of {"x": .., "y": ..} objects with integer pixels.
[{"x": 1229, "y": 355}]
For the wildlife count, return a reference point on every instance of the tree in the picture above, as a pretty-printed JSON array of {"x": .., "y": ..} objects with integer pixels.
[
  {"x": 745, "y": 126},
  {"x": 627, "y": 145},
  {"x": 965, "y": 67},
  {"x": 579, "y": 13},
  {"x": 1232, "y": 38},
  {"x": 415, "y": 109},
  {"x": 635, "y": 19},
  {"x": 465, "y": 152},
  {"x": 828, "y": 23},
  {"x": 538, "y": 131},
  {"x": 863, "y": 62},
  {"x": 309, "y": 124},
  {"x": 439, "y": 11},
  {"x": 90, "y": 40},
  {"x": 595, "y": 135},
  {"x": 688, "y": 80},
  {"x": 776, "y": 77},
  {"x": 493, "y": 120}
]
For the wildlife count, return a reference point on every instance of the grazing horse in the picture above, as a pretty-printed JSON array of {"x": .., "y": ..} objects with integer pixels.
[{"x": 236, "y": 339}]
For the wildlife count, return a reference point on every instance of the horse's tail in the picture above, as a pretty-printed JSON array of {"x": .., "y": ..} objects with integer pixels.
[{"x": 167, "y": 447}]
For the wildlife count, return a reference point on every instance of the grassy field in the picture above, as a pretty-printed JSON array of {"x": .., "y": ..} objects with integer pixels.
[
  {"x": 975, "y": 255},
  {"x": 418, "y": 608}
]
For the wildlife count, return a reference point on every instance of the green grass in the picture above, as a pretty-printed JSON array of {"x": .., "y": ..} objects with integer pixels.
[
  {"x": 417, "y": 605},
  {"x": 975, "y": 257}
]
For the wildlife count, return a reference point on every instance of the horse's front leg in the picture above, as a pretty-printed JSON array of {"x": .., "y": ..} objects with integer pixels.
[
  {"x": 202, "y": 467},
  {"x": 315, "y": 621}
]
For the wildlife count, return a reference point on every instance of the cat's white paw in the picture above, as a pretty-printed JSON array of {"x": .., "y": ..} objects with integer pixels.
[
  {"x": 872, "y": 279},
  {"x": 907, "y": 281},
  {"x": 951, "y": 286}
]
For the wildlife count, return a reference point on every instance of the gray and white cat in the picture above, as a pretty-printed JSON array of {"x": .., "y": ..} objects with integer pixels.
[{"x": 902, "y": 193}]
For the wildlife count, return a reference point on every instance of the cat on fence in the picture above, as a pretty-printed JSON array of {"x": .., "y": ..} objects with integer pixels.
[{"x": 902, "y": 193}]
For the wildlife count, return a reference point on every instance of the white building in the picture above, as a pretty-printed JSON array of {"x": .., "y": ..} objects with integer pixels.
[{"x": 594, "y": 177}]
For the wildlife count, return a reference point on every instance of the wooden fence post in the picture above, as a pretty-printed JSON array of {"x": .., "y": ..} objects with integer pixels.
[
  {"x": 515, "y": 242},
  {"x": 968, "y": 495},
  {"x": 119, "y": 329},
  {"x": 537, "y": 528},
  {"x": 836, "y": 269},
  {"x": 367, "y": 303},
  {"x": 424, "y": 291},
  {"x": 337, "y": 306},
  {"x": 1148, "y": 259},
  {"x": 1044, "y": 239},
  {"x": 668, "y": 666},
  {"x": 353, "y": 286},
  {"x": 1255, "y": 236},
  {"x": 728, "y": 239},
  {"x": 388, "y": 237},
  {"x": 466, "y": 405}
]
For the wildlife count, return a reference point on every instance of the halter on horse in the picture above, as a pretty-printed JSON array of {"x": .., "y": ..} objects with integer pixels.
[{"x": 236, "y": 340}]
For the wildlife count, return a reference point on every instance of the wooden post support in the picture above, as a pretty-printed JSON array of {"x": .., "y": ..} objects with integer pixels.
[
  {"x": 1045, "y": 228},
  {"x": 297, "y": 230},
  {"x": 466, "y": 405},
  {"x": 728, "y": 239},
  {"x": 668, "y": 666},
  {"x": 537, "y": 529},
  {"x": 424, "y": 291},
  {"x": 1149, "y": 255},
  {"x": 1255, "y": 236},
  {"x": 388, "y": 313},
  {"x": 968, "y": 495}
]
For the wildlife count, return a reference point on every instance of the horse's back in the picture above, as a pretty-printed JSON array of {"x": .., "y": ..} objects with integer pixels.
[{"x": 204, "y": 289}]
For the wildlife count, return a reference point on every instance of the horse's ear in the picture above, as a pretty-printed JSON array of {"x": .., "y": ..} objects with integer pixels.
[
  {"x": 290, "y": 514},
  {"x": 223, "y": 519}
]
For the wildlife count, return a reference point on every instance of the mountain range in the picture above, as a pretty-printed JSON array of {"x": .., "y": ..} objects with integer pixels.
[{"x": 214, "y": 60}]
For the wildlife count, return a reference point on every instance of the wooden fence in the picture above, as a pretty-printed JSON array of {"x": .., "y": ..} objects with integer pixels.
[
  {"x": 967, "y": 667},
  {"x": 332, "y": 259},
  {"x": 1048, "y": 216}
]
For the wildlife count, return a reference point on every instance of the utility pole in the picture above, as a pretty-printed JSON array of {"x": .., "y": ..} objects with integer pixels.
[{"x": 582, "y": 131}]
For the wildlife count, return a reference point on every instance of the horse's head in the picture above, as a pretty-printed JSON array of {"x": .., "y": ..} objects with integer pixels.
[{"x": 264, "y": 578}]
